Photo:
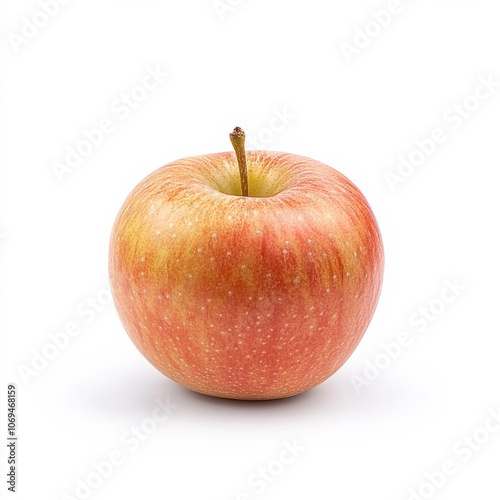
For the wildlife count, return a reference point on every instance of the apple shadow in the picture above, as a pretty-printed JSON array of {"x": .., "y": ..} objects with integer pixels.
[
  {"x": 334, "y": 399},
  {"x": 132, "y": 394}
]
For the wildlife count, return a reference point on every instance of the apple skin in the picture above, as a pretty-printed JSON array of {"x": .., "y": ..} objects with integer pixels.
[{"x": 258, "y": 297}]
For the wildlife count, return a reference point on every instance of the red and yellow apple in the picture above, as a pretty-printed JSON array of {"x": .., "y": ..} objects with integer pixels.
[{"x": 257, "y": 296}]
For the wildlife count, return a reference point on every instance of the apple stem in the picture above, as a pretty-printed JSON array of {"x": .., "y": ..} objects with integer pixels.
[{"x": 237, "y": 137}]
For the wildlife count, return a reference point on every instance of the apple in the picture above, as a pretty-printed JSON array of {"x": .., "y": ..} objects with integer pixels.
[{"x": 248, "y": 276}]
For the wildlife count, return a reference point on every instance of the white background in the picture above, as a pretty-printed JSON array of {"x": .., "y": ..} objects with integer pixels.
[{"x": 260, "y": 58}]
